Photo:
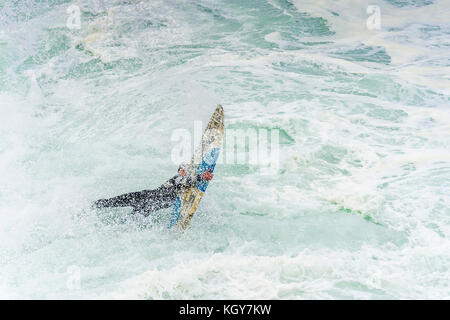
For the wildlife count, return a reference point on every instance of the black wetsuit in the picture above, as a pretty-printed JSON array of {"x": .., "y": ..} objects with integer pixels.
[{"x": 147, "y": 201}]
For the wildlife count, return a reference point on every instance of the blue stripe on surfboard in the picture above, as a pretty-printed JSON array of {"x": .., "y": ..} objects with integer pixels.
[
  {"x": 208, "y": 162},
  {"x": 175, "y": 212}
]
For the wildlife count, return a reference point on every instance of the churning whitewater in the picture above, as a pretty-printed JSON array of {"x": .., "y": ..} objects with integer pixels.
[{"x": 357, "y": 92}]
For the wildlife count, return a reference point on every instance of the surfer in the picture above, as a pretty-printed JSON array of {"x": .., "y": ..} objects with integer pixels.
[{"x": 147, "y": 201}]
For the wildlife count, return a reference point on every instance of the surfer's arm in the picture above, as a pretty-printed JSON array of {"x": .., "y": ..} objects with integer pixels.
[
  {"x": 183, "y": 181},
  {"x": 190, "y": 181},
  {"x": 178, "y": 182}
]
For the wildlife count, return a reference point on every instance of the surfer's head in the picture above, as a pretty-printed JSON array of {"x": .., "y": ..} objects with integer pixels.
[{"x": 182, "y": 169}]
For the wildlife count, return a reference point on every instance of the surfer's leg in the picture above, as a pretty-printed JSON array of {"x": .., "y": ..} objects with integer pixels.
[
  {"x": 133, "y": 199},
  {"x": 153, "y": 201}
]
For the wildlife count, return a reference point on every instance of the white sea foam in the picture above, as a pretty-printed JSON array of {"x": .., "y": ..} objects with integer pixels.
[{"x": 359, "y": 208}]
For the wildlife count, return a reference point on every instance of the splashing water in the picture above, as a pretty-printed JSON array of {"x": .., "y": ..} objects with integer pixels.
[{"x": 360, "y": 207}]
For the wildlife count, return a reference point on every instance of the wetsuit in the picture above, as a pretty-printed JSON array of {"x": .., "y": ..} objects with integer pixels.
[{"x": 147, "y": 201}]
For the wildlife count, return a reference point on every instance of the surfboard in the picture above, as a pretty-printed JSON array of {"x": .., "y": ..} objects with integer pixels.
[{"x": 204, "y": 159}]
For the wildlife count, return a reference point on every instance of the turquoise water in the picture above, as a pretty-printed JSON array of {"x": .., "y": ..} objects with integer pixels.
[{"x": 359, "y": 208}]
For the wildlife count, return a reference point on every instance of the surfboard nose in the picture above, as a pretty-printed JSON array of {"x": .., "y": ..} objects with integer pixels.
[{"x": 218, "y": 115}]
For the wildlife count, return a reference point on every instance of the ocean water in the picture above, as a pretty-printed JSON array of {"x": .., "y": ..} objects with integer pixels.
[{"x": 359, "y": 207}]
